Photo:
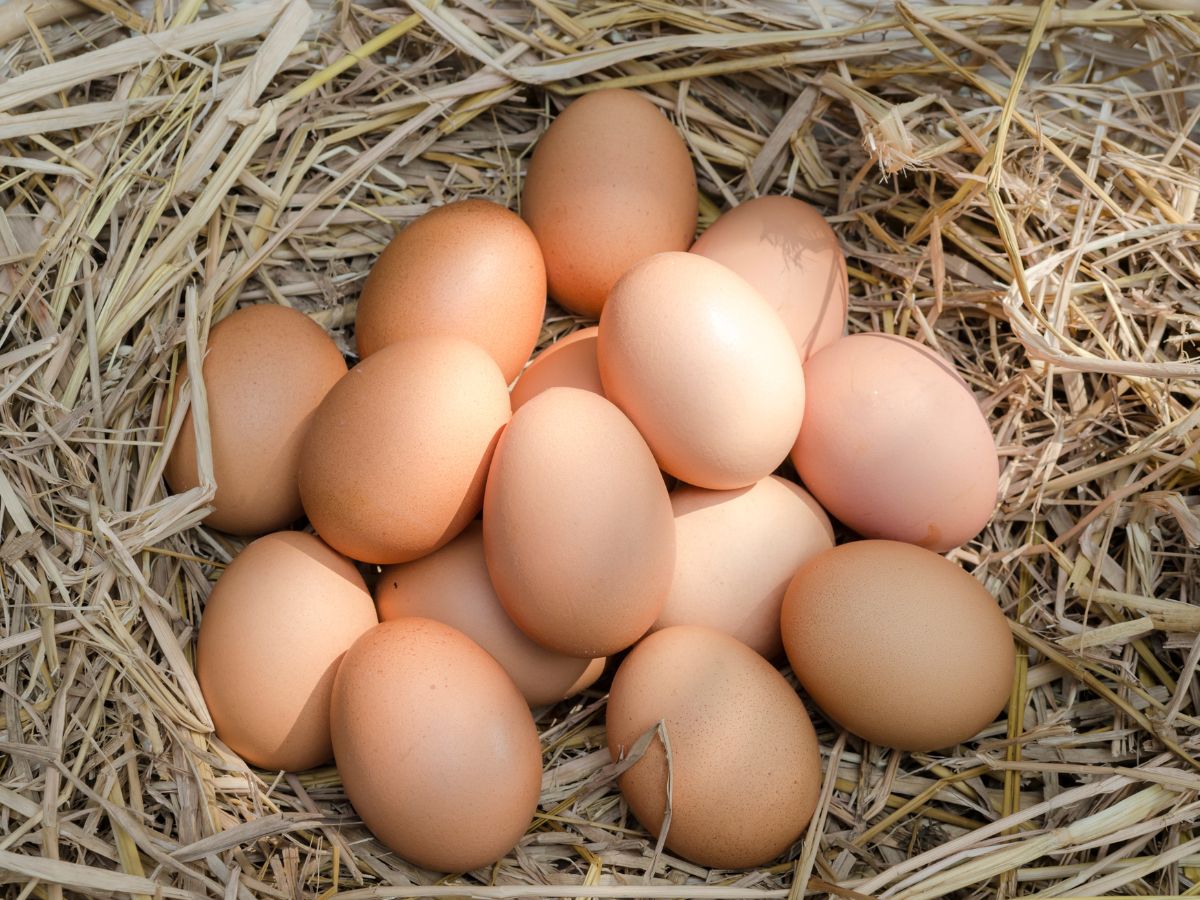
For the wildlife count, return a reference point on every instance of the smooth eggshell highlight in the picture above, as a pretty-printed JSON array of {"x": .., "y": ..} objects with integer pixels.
[
  {"x": 790, "y": 255},
  {"x": 266, "y": 370},
  {"x": 735, "y": 553},
  {"x": 898, "y": 645},
  {"x": 745, "y": 763},
  {"x": 894, "y": 443},
  {"x": 394, "y": 463},
  {"x": 435, "y": 746},
  {"x": 704, "y": 368},
  {"x": 452, "y": 586},
  {"x": 470, "y": 269},
  {"x": 273, "y": 632},
  {"x": 609, "y": 183},
  {"x": 577, "y": 526}
]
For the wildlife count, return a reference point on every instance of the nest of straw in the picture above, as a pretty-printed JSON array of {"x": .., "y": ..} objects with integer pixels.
[{"x": 1016, "y": 186}]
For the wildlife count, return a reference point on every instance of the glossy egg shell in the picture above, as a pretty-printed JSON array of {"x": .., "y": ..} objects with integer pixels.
[
  {"x": 745, "y": 763},
  {"x": 898, "y": 645},
  {"x": 266, "y": 370}
]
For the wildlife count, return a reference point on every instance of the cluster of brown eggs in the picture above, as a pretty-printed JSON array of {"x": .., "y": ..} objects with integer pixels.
[{"x": 629, "y": 498}]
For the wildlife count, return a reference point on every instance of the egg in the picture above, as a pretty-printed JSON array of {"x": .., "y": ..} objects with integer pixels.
[
  {"x": 470, "y": 269},
  {"x": 745, "y": 764},
  {"x": 735, "y": 553},
  {"x": 394, "y": 462},
  {"x": 704, "y": 368},
  {"x": 272, "y": 634},
  {"x": 894, "y": 443},
  {"x": 435, "y": 746},
  {"x": 897, "y": 644},
  {"x": 790, "y": 255},
  {"x": 452, "y": 586},
  {"x": 569, "y": 362},
  {"x": 266, "y": 370},
  {"x": 609, "y": 183},
  {"x": 577, "y": 526}
]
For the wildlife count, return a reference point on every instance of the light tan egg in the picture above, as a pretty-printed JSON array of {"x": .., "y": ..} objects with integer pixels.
[
  {"x": 569, "y": 362},
  {"x": 735, "y": 553},
  {"x": 577, "y": 526},
  {"x": 894, "y": 443},
  {"x": 745, "y": 763},
  {"x": 266, "y": 370},
  {"x": 394, "y": 463},
  {"x": 452, "y": 586},
  {"x": 469, "y": 269},
  {"x": 272, "y": 635},
  {"x": 788, "y": 252},
  {"x": 609, "y": 183},
  {"x": 898, "y": 645},
  {"x": 704, "y": 368},
  {"x": 436, "y": 748}
]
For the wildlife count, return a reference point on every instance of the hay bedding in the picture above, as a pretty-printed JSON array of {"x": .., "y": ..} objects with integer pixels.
[{"x": 161, "y": 162}]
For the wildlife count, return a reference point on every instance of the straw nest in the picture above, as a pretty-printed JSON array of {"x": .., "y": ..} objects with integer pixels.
[{"x": 1015, "y": 186}]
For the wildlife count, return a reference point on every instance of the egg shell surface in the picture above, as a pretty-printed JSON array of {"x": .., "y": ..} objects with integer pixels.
[
  {"x": 568, "y": 362},
  {"x": 704, "y": 368},
  {"x": 437, "y": 751},
  {"x": 469, "y": 269},
  {"x": 745, "y": 763},
  {"x": 610, "y": 182},
  {"x": 272, "y": 635},
  {"x": 790, "y": 255},
  {"x": 266, "y": 370},
  {"x": 452, "y": 586},
  {"x": 577, "y": 525},
  {"x": 735, "y": 554},
  {"x": 898, "y": 645},
  {"x": 894, "y": 443},
  {"x": 394, "y": 463}
]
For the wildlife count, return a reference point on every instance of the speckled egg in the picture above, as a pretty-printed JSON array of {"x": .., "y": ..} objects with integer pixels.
[
  {"x": 569, "y": 362},
  {"x": 787, "y": 251},
  {"x": 452, "y": 586},
  {"x": 745, "y": 763},
  {"x": 609, "y": 183},
  {"x": 577, "y": 526},
  {"x": 898, "y": 645},
  {"x": 394, "y": 463},
  {"x": 735, "y": 552},
  {"x": 894, "y": 443},
  {"x": 469, "y": 269},
  {"x": 272, "y": 635},
  {"x": 266, "y": 370},
  {"x": 435, "y": 746},
  {"x": 704, "y": 368}
]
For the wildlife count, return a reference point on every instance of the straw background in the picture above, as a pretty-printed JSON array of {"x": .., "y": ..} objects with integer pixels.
[{"x": 160, "y": 163}]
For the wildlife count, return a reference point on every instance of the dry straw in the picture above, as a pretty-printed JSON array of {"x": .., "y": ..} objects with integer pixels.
[{"x": 1016, "y": 185}]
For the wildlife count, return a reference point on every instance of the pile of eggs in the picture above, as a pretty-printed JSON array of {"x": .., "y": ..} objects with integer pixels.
[{"x": 629, "y": 499}]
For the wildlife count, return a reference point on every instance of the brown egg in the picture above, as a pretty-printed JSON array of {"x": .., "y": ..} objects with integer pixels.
[
  {"x": 735, "y": 553},
  {"x": 609, "y": 183},
  {"x": 790, "y": 255},
  {"x": 577, "y": 526},
  {"x": 704, "y": 368},
  {"x": 470, "y": 269},
  {"x": 745, "y": 763},
  {"x": 897, "y": 644},
  {"x": 452, "y": 586},
  {"x": 894, "y": 443},
  {"x": 570, "y": 362},
  {"x": 436, "y": 748},
  {"x": 273, "y": 632},
  {"x": 266, "y": 370},
  {"x": 395, "y": 460}
]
